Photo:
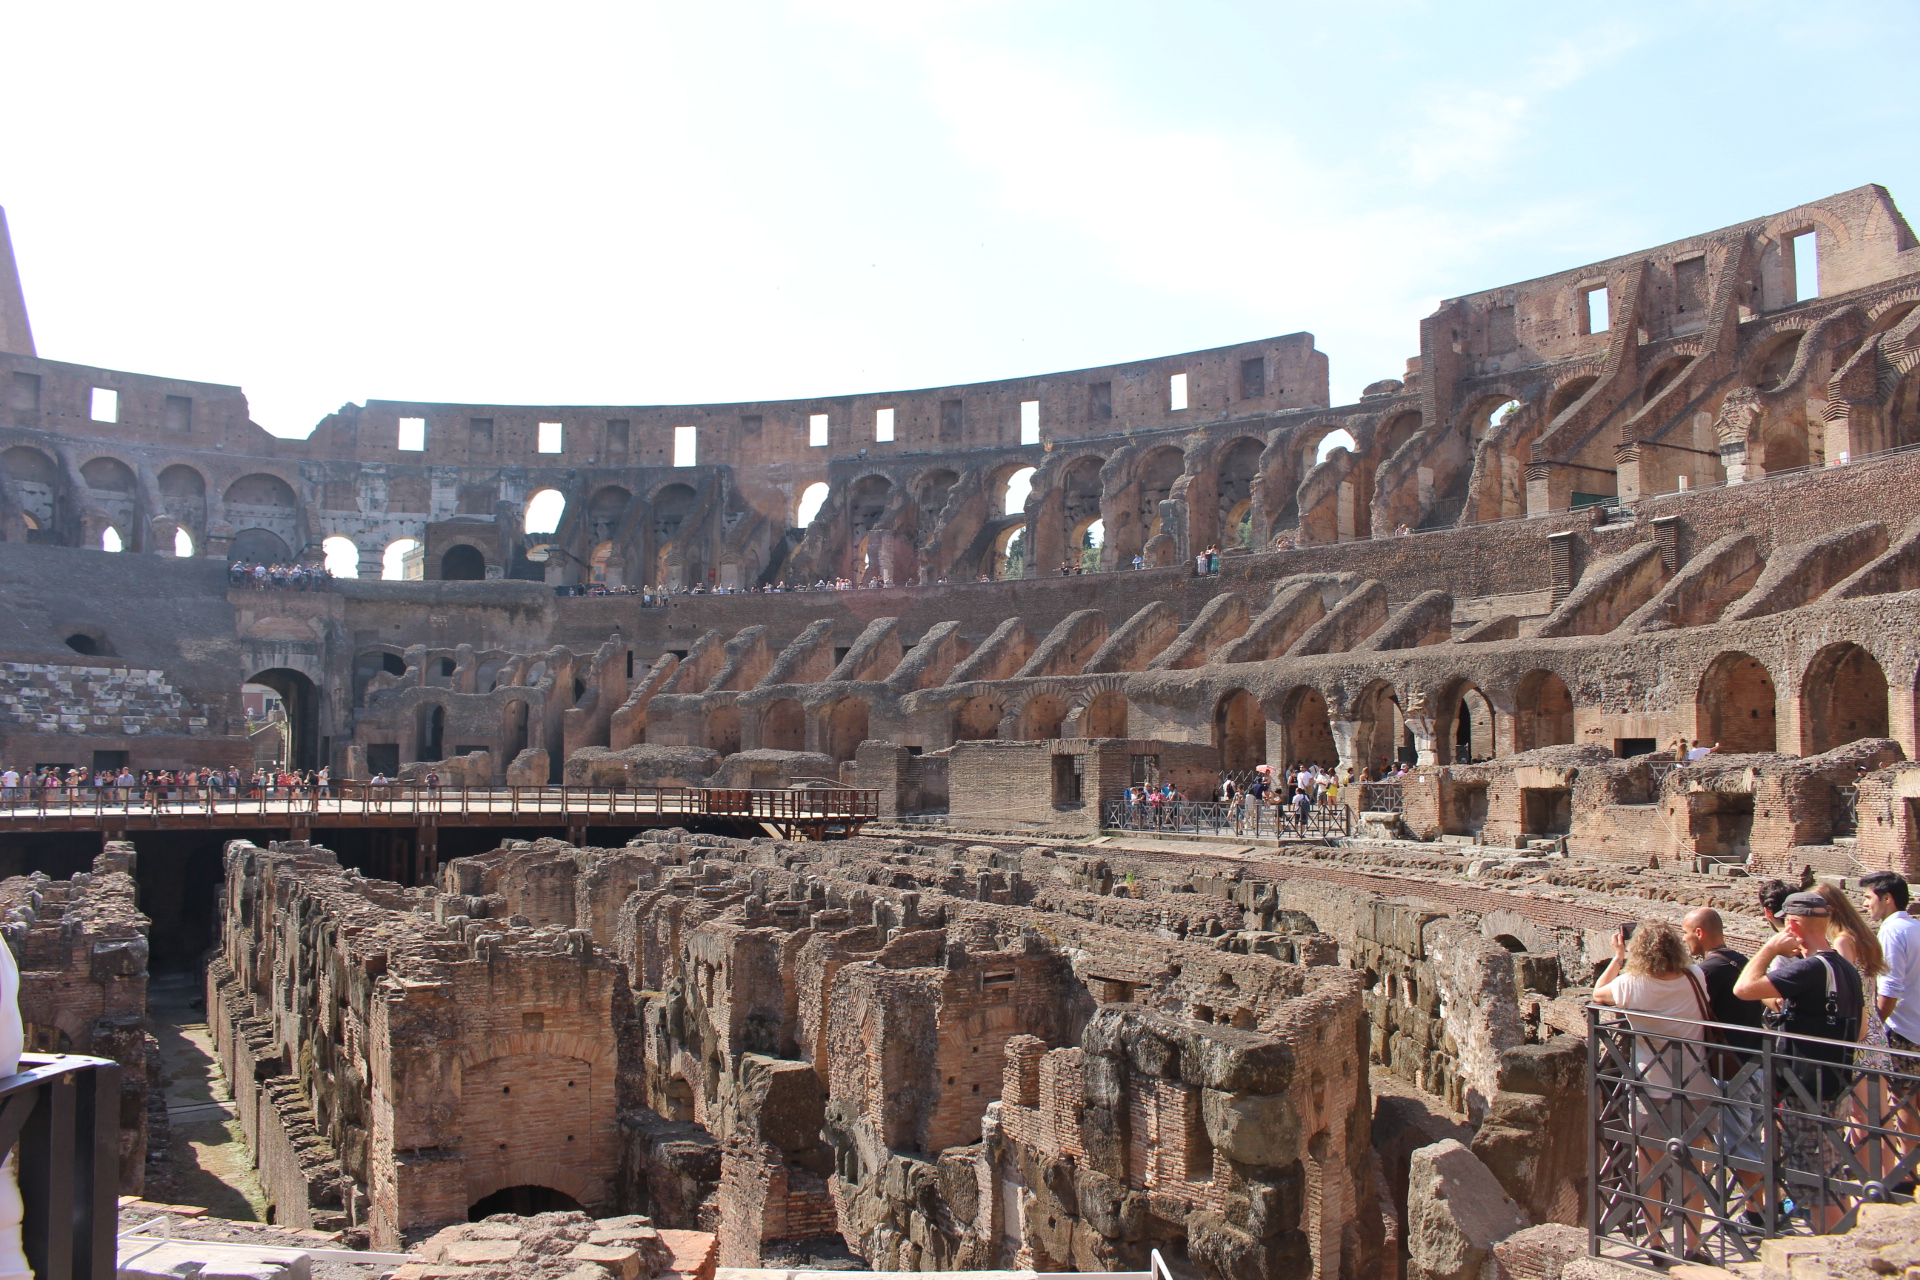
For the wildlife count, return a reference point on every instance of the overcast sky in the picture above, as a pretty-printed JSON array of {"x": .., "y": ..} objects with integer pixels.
[{"x": 664, "y": 203}]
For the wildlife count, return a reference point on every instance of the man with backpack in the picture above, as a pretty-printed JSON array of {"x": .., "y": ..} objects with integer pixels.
[{"x": 1822, "y": 996}]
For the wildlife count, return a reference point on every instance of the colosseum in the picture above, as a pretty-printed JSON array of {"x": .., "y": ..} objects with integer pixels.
[{"x": 734, "y": 821}]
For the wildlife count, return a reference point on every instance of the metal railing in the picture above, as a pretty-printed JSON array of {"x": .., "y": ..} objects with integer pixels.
[
  {"x": 1247, "y": 818},
  {"x": 347, "y": 800},
  {"x": 1846, "y": 811},
  {"x": 1701, "y": 1150},
  {"x": 1383, "y": 797},
  {"x": 60, "y": 1115}
]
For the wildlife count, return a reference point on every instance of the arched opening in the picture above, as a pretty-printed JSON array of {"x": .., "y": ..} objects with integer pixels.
[
  {"x": 1543, "y": 712},
  {"x": 1018, "y": 486},
  {"x": 1399, "y": 429},
  {"x": 300, "y": 702},
  {"x": 1309, "y": 730},
  {"x": 1239, "y": 464},
  {"x": 606, "y": 511},
  {"x": 673, "y": 506},
  {"x": 523, "y": 1200},
  {"x": 1105, "y": 716},
  {"x": 462, "y": 563},
  {"x": 846, "y": 728},
  {"x": 1240, "y": 731},
  {"x": 1492, "y": 416},
  {"x": 977, "y": 719},
  {"x": 1663, "y": 377},
  {"x": 1080, "y": 507},
  {"x": 1040, "y": 718},
  {"x": 1091, "y": 541},
  {"x": 1776, "y": 362},
  {"x": 1845, "y": 698},
  {"x": 81, "y": 642},
  {"x": 182, "y": 544},
  {"x": 1008, "y": 557},
  {"x": 599, "y": 563},
  {"x": 1735, "y": 705},
  {"x": 1903, "y": 416},
  {"x": 35, "y": 482},
  {"x": 1380, "y": 730},
  {"x": 543, "y": 512},
  {"x": 258, "y": 546},
  {"x": 783, "y": 726},
  {"x": 1568, "y": 394},
  {"x": 1465, "y": 734},
  {"x": 342, "y": 556},
  {"x": 110, "y": 540},
  {"x": 1339, "y": 438},
  {"x": 723, "y": 729},
  {"x": 108, "y": 475},
  {"x": 812, "y": 498},
  {"x": 393, "y": 562},
  {"x": 430, "y": 728}
]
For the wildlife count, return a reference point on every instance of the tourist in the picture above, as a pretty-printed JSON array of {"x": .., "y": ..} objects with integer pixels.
[
  {"x": 1887, "y": 895},
  {"x": 1139, "y": 563},
  {"x": 1213, "y": 560},
  {"x": 1822, "y": 996},
  {"x": 9, "y": 783},
  {"x": 1743, "y": 1096},
  {"x": 1649, "y": 973}
]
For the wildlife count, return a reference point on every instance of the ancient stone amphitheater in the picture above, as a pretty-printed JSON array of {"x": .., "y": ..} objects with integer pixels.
[{"x": 1008, "y": 1019}]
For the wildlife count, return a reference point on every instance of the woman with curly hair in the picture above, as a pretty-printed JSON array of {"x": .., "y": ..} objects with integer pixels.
[{"x": 1652, "y": 974}]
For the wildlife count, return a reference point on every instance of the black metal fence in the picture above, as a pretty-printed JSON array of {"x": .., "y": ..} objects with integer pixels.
[
  {"x": 1382, "y": 797},
  {"x": 1701, "y": 1150},
  {"x": 1243, "y": 817},
  {"x": 61, "y": 1114}
]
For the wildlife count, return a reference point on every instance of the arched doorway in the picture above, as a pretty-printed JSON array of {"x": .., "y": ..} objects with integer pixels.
[
  {"x": 977, "y": 719},
  {"x": 846, "y": 728},
  {"x": 523, "y": 1200},
  {"x": 1309, "y": 729},
  {"x": 463, "y": 563},
  {"x": 1543, "y": 712},
  {"x": 430, "y": 731},
  {"x": 513, "y": 731},
  {"x": 1240, "y": 731},
  {"x": 1735, "y": 705},
  {"x": 783, "y": 726},
  {"x": 1844, "y": 697},
  {"x": 1380, "y": 730},
  {"x": 723, "y": 729},
  {"x": 302, "y": 705},
  {"x": 1040, "y": 719},
  {"x": 258, "y": 546},
  {"x": 1466, "y": 733},
  {"x": 1105, "y": 716}
]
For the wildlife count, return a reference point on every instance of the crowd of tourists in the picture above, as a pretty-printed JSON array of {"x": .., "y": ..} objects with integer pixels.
[
  {"x": 280, "y": 577},
  {"x": 70, "y": 785},
  {"x": 1845, "y": 975}
]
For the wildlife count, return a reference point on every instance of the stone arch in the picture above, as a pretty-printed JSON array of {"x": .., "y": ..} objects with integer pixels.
[
  {"x": 1542, "y": 712},
  {"x": 108, "y": 475},
  {"x": 463, "y": 562},
  {"x": 1156, "y": 472},
  {"x": 1485, "y": 415},
  {"x": 1041, "y": 717},
  {"x": 1006, "y": 554},
  {"x": 259, "y": 546},
  {"x": 606, "y": 511},
  {"x": 1104, "y": 715},
  {"x": 847, "y": 726},
  {"x": 1773, "y": 359},
  {"x": 1568, "y": 393},
  {"x": 1237, "y": 465},
  {"x": 722, "y": 732},
  {"x": 978, "y": 718},
  {"x": 513, "y": 730},
  {"x": 183, "y": 495},
  {"x": 1080, "y": 497},
  {"x": 1735, "y": 705},
  {"x": 300, "y": 697},
  {"x": 1308, "y": 728},
  {"x": 783, "y": 726},
  {"x": 1662, "y": 377},
  {"x": 1380, "y": 728},
  {"x": 1395, "y": 433},
  {"x": 430, "y": 730},
  {"x": 1464, "y": 731},
  {"x": 1240, "y": 730},
  {"x": 1843, "y": 698},
  {"x": 261, "y": 490}
]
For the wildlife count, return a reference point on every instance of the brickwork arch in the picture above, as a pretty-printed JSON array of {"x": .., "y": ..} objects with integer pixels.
[
  {"x": 783, "y": 726},
  {"x": 1542, "y": 712},
  {"x": 1843, "y": 698},
  {"x": 1735, "y": 705}
]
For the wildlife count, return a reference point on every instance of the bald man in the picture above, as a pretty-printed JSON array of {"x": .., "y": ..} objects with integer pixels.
[{"x": 1706, "y": 937}]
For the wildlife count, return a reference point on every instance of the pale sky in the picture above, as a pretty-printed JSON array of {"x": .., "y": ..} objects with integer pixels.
[{"x": 665, "y": 203}]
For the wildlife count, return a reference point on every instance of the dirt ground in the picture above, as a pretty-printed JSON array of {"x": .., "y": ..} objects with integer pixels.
[{"x": 211, "y": 1165}]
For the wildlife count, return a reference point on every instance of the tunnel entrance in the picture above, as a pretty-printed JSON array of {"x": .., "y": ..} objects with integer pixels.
[
  {"x": 301, "y": 704},
  {"x": 522, "y": 1200}
]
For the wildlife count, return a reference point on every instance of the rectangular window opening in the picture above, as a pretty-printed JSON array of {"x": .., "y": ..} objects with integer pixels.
[
  {"x": 550, "y": 437},
  {"x": 618, "y": 430},
  {"x": 413, "y": 433},
  {"x": 1594, "y": 310},
  {"x": 1029, "y": 422},
  {"x": 1099, "y": 400},
  {"x": 817, "y": 430},
  {"x": 1253, "y": 378},
  {"x": 179, "y": 413},
  {"x": 1806, "y": 266},
  {"x": 952, "y": 419},
  {"x": 686, "y": 445},
  {"x": 883, "y": 425},
  {"x": 480, "y": 435},
  {"x": 750, "y": 423},
  {"x": 26, "y": 392},
  {"x": 1177, "y": 391},
  {"x": 105, "y": 406}
]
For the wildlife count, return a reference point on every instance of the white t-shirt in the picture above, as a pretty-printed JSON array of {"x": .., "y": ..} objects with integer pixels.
[
  {"x": 1639, "y": 994},
  {"x": 1900, "y": 940}
]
